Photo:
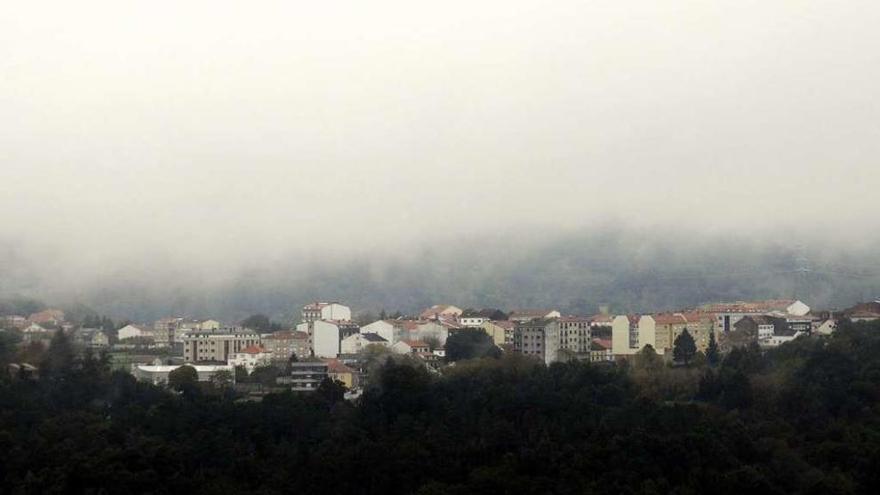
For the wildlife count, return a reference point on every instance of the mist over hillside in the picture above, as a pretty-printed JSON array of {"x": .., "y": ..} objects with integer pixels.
[{"x": 630, "y": 271}]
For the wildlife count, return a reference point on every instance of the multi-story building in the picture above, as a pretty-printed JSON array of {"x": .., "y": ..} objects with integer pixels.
[
  {"x": 325, "y": 311},
  {"x": 574, "y": 335},
  {"x": 217, "y": 345},
  {"x": 668, "y": 327},
  {"x": 631, "y": 333},
  {"x": 284, "y": 344},
  {"x": 539, "y": 338},
  {"x": 327, "y": 336},
  {"x": 305, "y": 376},
  {"x": 500, "y": 331}
]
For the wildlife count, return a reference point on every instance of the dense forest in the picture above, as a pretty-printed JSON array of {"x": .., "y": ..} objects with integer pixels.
[{"x": 803, "y": 418}]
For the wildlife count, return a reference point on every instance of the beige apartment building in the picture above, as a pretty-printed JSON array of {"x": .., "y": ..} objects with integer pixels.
[{"x": 217, "y": 345}]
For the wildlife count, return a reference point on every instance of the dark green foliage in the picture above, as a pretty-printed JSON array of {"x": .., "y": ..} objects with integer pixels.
[
  {"x": 713, "y": 355},
  {"x": 470, "y": 344},
  {"x": 684, "y": 348},
  {"x": 804, "y": 418},
  {"x": 183, "y": 379}
]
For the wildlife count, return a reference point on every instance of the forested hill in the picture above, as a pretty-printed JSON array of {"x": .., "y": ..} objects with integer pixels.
[
  {"x": 650, "y": 271},
  {"x": 804, "y": 418}
]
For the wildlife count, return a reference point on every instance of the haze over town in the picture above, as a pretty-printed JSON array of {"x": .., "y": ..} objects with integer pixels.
[{"x": 215, "y": 150}]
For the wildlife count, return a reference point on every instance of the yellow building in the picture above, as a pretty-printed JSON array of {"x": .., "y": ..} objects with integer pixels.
[{"x": 338, "y": 371}]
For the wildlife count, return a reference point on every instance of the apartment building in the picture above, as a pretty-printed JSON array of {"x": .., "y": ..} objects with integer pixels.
[
  {"x": 217, "y": 345},
  {"x": 538, "y": 338},
  {"x": 575, "y": 334}
]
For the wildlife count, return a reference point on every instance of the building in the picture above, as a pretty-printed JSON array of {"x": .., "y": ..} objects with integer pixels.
[
  {"x": 355, "y": 343},
  {"x": 157, "y": 374},
  {"x": 327, "y": 336},
  {"x": 217, "y": 345},
  {"x": 250, "y": 358},
  {"x": 91, "y": 337},
  {"x": 631, "y": 333},
  {"x": 37, "y": 333},
  {"x": 523, "y": 315},
  {"x": 727, "y": 314},
  {"x": 284, "y": 344},
  {"x": 13, "y": 321},
  {"x": 574, "y": 335},
  {"x": 134, "y": 331},
  {"x": 338, "y": 371},
  {"x": 472, "y": 321},
  {"x": 411, "y": 347},
  {"x": 383, "y": 328},
  {"x": 539, "y": 338},
  {"x": 47, "y": 317},
  {"x": 440, "y": 311},
  {"x": 869, "y": 311},
  {"x": 600, "y": 351},
  {"x": 325, "y": 311},
  {"x": 668, "y": 327},
  {"x": 826, "y": 327},
  {"x": 500, "y": 331},
  {"x": 306, "y": 375}
]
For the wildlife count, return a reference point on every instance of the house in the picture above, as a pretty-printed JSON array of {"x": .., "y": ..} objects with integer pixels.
[
  {"x": 327, "y": 336},
  {"x": 157, "y": 374},
  {"x": 131, "y": 331},
  {"x": 250, "y": 357},
  {"x": 869, "y": 311},
  {"x": 538, "y": 338},
  {"x": 47, "y": 317},
  {"x": 338, "y": 371},
  {"x": 325, "y": 311},
  {"x": 14, "y": 321},
  {"x": 437, "y": 329},
  {"x": 411, "y": 347},
  {"x": 727, "y": 314},
  {"x": 217, "y": 345},
  {"x": 440, "y": 311},
  {"x": 355, "y": 343},
  {"x": 37, "y": 333},
  {"x": 305, "y": 375},
  {"x": 284, "y": 344},
  {"x": 600, "y": 351},
  {"x": 383, "y": 328},
  {"x": 631, "y": 333},
  {"x": 523, "y": 315},
  {"x": 826, "y": 327},
  {"x": 209, "y": 325},
  {"x": 91, "y": 337},
  {"x": 500, "y": 331}
]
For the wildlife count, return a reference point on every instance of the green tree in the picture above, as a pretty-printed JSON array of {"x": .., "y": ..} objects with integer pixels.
[
  {"x": 684, "y": 348},
  {"x": 470, "y": 344},
  {"x": 184, "y": 379},
  {"x": 59, "y": 358},
  {"x": 647, "y": 359},
  {"x": 222, "y": 379},
  {"x": 712, "y": 355}
]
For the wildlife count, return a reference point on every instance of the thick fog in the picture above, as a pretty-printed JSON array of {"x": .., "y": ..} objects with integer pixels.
[{"x": 201, "y": 140}]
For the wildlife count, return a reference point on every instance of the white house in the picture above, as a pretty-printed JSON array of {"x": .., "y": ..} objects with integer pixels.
[
  {"x": 327, "y": 337},
  {"x": 382, "y": 328},
  {"x": 440, "y": 311},
  {"x": 132, "y": 331},
  {"x": 356, "y": 342},
  {"x": 827, "y": 327},
  {"x": 250, "y": 357},
  {"x": 472, "y": 321}
]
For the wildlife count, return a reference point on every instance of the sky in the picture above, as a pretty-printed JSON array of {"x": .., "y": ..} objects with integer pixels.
[{"x": 219, "y": 133}]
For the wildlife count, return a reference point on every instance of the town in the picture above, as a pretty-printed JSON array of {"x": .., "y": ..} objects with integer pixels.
[{"x": 257, "y": 356}]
